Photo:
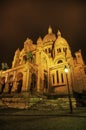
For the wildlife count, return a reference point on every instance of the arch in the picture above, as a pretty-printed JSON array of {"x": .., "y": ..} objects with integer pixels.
[
  {"x": 60, "y": 61},
  {"x": 33, "y": 82},
  {"x": 65, "y": 49},
  {"x": 19, "y": 81},
  {"x": 45, "y": 81},
  {"x": 2, "y": 83},
  {"x": 25, "y": 58},
  {"x": 10, "y": 83},
  {"x": 58, "y": 50},
  {"x": 19, "y": 75},
  {"x": 57, "y": 58}
]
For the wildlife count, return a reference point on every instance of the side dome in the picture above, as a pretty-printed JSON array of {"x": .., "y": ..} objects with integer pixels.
[
  {"x": 50, "y": 36},
  {"x": 39, "y": 41},
  {"x": 61, "y": 46},
  {"x": 60, "y": 41}
]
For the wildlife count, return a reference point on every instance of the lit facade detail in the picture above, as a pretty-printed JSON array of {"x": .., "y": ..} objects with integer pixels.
[{"x": 41, "y": 66}]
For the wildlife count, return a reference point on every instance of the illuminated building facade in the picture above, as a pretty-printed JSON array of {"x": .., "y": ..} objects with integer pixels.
[{"x": 41, "y": 67}]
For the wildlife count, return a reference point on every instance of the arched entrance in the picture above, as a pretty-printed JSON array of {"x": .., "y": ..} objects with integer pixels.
[
  {"x": 19, "y": 82},
  {"x": 10, "y": 83},
  {"x": 45, "y": 83},
  {"x": 2, "y": 84},
  {"x": 33, "y": 83}
]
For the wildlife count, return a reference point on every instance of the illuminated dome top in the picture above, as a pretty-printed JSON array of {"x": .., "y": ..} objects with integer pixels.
[
  {"x": 39, "y": 40},
  {"x": 59, "y": 33},
  {"x": 60, "y": 40},
  {"x": 50, "y": 36}
]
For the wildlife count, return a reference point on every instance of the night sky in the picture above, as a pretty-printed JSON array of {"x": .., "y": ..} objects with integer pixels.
[{"x": 20, "y": 19}]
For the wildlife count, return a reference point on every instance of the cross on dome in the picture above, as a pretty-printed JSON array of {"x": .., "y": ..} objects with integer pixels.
[
  {"x": 59, "y": 33},
  {"x": 49, "y": 30}
]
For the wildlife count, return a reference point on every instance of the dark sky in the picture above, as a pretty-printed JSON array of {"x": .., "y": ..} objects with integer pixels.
[{"x": 20, "y": 19}]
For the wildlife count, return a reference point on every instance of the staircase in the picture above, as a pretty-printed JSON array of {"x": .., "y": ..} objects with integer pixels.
[
  {"x": 22, "y": 101},
  {"x": 36, "y": 101},
  {"x": 53, "y": 104}
]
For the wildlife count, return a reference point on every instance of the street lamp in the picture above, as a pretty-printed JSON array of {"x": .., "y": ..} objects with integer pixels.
[{"x": 69, "y": 95}]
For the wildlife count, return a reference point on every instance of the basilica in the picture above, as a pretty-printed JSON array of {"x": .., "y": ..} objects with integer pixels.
[{"x": 46, "y": 66}]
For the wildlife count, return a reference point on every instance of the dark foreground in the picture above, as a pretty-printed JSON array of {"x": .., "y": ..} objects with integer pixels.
[{"x": 13, "y": 119}]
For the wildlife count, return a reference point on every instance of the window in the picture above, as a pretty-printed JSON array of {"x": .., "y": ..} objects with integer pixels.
[
  {"x": 65, "y": 50},
  {"x": 49, "y": 50},
  {"x": 85, "y": 70},
  {"x": 53, "y": 79},
  {"x": 78, "y": 56},
  {"x": 45, "y": 81},
  {"x": 59, "y": 50},
  {"x": 57, "y": 76},
  {"x": 60, "y": 61},
  {"x": 46, "y": 50},
  {"x": 62, "y": 78},
  {"x": 25, "y": 58}
]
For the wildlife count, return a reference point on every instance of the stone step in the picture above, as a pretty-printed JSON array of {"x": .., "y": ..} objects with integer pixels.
[
  {"x": 34, "y": 102},
  {"x": 20, "y": 102},
  {"x": 62, "y": 103},
  {"x": 2, "y": 104}
]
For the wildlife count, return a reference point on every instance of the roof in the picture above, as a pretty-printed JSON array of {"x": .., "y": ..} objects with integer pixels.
[{"x": 50, "y": 36}]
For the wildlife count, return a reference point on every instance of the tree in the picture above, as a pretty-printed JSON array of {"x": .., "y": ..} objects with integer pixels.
[
  {"x": 29, "y": 56},
  {"x": 4, "y": 66}
]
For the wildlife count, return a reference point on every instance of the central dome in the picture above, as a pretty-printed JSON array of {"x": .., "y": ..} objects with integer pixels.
[{"x": 50, "y": 36}]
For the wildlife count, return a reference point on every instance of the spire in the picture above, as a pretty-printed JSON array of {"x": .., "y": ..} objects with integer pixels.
[
  {"x": 59, "y": 33},
  {"x": 39, "y": 40},
  {"x": 49, "y": 30}
]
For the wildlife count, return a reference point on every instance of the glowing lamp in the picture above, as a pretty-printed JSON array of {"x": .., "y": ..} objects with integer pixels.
[{"x": 66, "y": 70}]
